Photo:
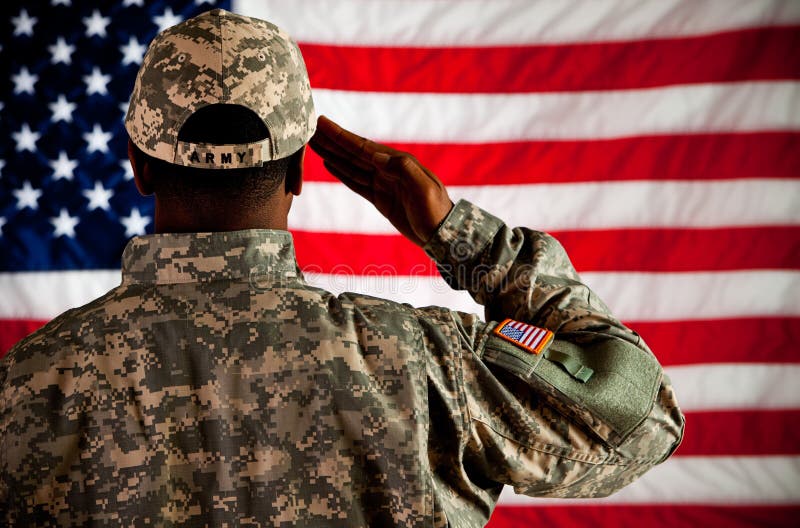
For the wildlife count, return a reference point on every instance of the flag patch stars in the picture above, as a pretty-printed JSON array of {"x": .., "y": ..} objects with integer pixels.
[{"x": 529, "y": 337}]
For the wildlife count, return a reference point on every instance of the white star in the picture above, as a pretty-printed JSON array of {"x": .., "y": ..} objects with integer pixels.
[
  {"x": 98, "y": 197},
  {"x": 127, "y": 3},
  {"x": 126, "y": 166},
  {"x": 61, "y": 51},
  {"x": 135, "y": 223},
  {"x": 61, "y": 2},
  {"x": 24, "y": 81},
  {"x": 62, "y": 109},
  {"x": 123, "y": 106},
  {"x": 63, "y": 167},
  {"x": 64, "y": 224},
  {"x": 168, "y": 19},
  {"x": 199, "y": 2},
  {"x": 2, "y": 164},
  {"x": 132, "y": 52},
  {"x": 23, "y": 24},
  {"x": 26, "y": 138},
  {"x": 96, "y": 82},
  {"x": 96, "y": 24},
  {"x": 27, "y": 196},
  {"x": 2, "y": 223},
  {"x": 97, "y": 139}
]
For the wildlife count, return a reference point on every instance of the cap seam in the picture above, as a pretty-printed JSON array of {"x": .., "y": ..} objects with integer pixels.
[{"x": 225, "y": 94}]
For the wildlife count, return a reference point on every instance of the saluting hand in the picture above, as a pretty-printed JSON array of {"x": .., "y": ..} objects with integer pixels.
[{"x": 410, "y": 196}]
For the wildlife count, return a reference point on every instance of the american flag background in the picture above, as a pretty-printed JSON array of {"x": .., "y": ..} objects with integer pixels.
[{"x": 659, "y": 140}]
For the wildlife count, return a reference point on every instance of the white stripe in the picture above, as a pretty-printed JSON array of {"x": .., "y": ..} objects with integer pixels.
[
  {"x": 535, "y": 338},
  {"x": 538, "y": 339},
  {"x": 492, "y": 22},
  {"x": 722, "y": 386},
  {"x": 633, "y": 296},
  {"x": 43, "y": 295},
  {"x": 331, "y": 207},
  {"x": 529, "y": 336},
  {"x": 481, "y": 118},
  {"x": 699, "y": 480},
  {"x": 698, "y": 295},
  {"x": 525, "y": 334}
]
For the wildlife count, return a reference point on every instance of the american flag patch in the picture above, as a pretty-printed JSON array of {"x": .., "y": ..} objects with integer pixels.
[{"x": 531, "y": 338}]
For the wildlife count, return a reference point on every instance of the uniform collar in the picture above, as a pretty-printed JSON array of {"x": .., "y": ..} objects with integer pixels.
[{"x": 172, "y": 258}]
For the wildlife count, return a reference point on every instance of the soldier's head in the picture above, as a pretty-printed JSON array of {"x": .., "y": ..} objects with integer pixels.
[{"x": 219, "y": 118}]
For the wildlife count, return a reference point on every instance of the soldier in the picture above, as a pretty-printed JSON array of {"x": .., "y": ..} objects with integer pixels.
[{"x": 215, "y": 387}]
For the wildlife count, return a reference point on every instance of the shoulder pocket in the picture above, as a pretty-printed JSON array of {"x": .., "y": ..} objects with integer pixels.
[{"x": 607, "y": 383}]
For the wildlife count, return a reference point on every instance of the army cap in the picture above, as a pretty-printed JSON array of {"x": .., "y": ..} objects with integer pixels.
[{"x": 219, "y": 57}]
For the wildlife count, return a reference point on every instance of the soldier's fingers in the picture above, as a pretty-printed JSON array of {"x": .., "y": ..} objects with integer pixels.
[
  {"x": 401, "y": 167},
  {"x": 328, "y": 150},
  {"x": 361, "y": 176},
  {"x": 348, "y": 141},
  {"x": 363, "y": 190}
]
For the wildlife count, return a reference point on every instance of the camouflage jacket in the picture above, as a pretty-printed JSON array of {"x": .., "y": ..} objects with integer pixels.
[{"x": 214, "y": 387}]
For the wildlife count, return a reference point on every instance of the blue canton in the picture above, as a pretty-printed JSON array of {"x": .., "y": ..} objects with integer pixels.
[{"x": 67, "y": 199}]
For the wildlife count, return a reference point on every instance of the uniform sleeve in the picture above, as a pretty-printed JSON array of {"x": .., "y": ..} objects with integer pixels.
[{"x": 584, "y": 417}]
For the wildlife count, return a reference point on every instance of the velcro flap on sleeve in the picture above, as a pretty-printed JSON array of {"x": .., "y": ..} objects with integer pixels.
[{"x": 607, "y": 383}]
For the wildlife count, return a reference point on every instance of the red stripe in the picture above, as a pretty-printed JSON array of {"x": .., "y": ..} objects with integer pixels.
[
  {"x": 655, "y": 250},
  {"x": 753, "y": 54},
  {"x": 757, "y": 340},
  {"x": 12, "y": 330},
  {"x": 746, "y": 433},
  {"x": 534, "y": 337},
  {"x": 683, "y": 249},
  {"x": 672, "y": 515},
  {"x": 670, "y": 157}
]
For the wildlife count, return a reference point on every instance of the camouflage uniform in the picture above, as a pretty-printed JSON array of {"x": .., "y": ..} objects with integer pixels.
[{"x": 214, "y": 387}]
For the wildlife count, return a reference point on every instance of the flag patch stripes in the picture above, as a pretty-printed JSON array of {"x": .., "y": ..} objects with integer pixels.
[{"x": 531, "y": 338}]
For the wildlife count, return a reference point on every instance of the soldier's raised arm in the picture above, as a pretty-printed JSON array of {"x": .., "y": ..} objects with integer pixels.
[{"x": 558, "y": 398}]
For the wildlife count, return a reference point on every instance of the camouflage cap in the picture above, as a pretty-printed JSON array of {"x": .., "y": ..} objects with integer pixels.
[{"x": 221, "y": 58}]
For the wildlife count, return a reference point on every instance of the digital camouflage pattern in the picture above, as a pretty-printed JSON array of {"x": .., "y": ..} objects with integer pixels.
[
  {"x": 221, "y": 57},
  {"x": 214, "y": 387}
]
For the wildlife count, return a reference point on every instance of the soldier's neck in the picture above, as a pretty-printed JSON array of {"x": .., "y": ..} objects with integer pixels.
[{"x": 194, "y": 218}]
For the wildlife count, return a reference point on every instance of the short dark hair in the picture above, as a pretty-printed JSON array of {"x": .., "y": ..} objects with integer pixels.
[{"x": 219, "y": 124}]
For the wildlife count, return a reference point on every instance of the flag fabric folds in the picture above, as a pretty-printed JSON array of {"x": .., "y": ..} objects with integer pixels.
[{"x": 659, "y": 140}]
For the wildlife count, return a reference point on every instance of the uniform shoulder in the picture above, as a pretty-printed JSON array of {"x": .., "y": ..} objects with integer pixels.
[
  {"x": 61, "y": 333},
  {"x": 379, "y": 304}
]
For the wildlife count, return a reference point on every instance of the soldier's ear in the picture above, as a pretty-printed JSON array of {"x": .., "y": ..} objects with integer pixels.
[
  {"x": 141, "y": 172},
  {"x": 294, "y": 173}
]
